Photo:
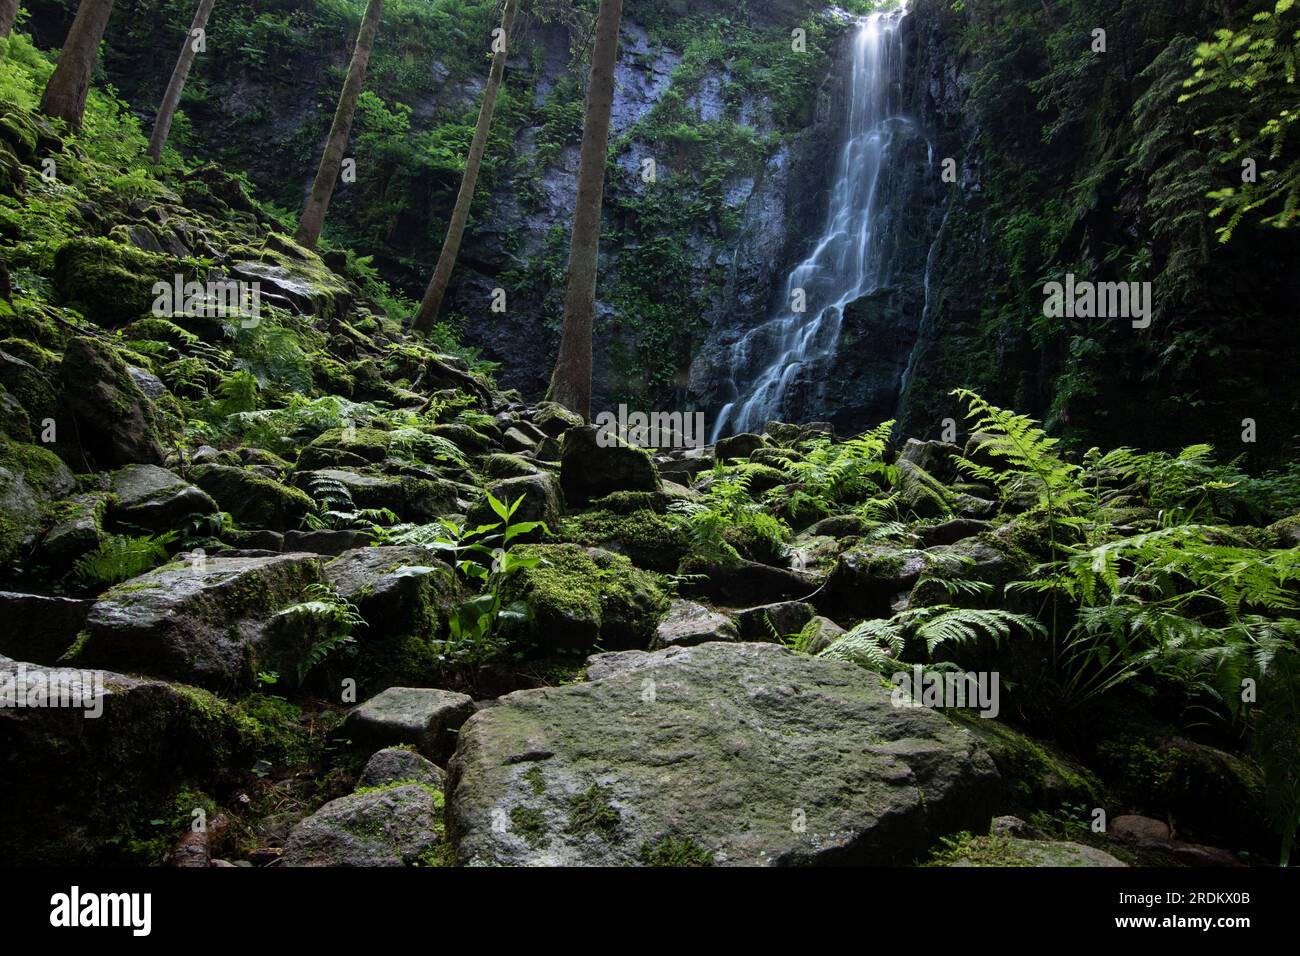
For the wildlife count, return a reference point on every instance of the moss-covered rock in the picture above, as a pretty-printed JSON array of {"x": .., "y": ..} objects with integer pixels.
[
  {"x": 116, "y": 423},
  {"x": 345, "y": 448},
  {"x": 253, "y": 500},
  {"x": 209, "y": 622},
  {"x": 135, "y": 757},
  {"x": 1035, "y": 774},
  {"x": 649, "y": 539},
  {"x": 594, "y": 465},
  {"x": 109, "y": 282},
  {"x": 31, "y": 479},
  {"x": 581, "y": 597}
]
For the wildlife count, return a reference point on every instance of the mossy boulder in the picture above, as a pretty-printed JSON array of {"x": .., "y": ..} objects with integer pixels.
[
  {"x": 737, "y": 446},
  {"x": 651, "y": 540},
  {"x": 400, "y": 590},
  {"x": 135, "y": 757},
  {"x": 116, "y": 423},
  {"x": 1286, "y": 533},
  {"x": 31, "y": 479},
  {"x": 756, "y": 755},
  {"x": 154, "y": 498},
  {"x": 111, "y": 283},
  {"x": 33, "y": 388},
  {"x": 1036, "y": 775},
  {"x": 501, "y": 465},
  {"x": 388, "y": 826},
  {"x": 292, "y": 277},
  {"x": 76, "y": 527},
  {"x": 425, "y": 718},
  {"x": 413, "y": 499},
  {"x": 920, "y": 493},
  {"x": 580, "y": 597},
  {"x": 210, "y": 621},
  {"x": 869, "y": 578},
  {"x": 253, "y": 500},
  {"x": 593, "y": 465},
  {"x": 345, "y": 448},
  {"x": 554, "y": 419},
  {"x": 539, "y": 497}
]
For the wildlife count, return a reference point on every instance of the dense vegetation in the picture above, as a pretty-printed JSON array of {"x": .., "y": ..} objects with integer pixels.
[{"x": 271, "y": 516}]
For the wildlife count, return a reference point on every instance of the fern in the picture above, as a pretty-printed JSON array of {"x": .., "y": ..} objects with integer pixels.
[
  {"x": 337, "y": 618},
  {"x": 878, "y": 644},
  {"x": 121, "y": 557}
]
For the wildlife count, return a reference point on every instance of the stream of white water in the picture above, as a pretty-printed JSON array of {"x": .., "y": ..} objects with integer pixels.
[{"x": 845, "y": 262}]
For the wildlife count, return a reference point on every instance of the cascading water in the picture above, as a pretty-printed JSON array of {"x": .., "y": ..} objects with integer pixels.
[{"x": 845, "y": 263}]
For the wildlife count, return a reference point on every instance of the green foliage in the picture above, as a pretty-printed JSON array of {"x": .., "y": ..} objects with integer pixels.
[
  {"x": 1250, "y": 74},
  {"x": 879, "y": 644},
  {"x": 729, "y": 519},
  {"x": 483, "y": 555},
  {"x": 121, "y": 557},
  {"x": 335, "y": 618}
]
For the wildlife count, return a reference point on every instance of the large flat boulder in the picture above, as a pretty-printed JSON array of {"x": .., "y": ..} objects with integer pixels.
[
  {"x": 747, "y": 753},
  {"x": 202, "y": 622}
]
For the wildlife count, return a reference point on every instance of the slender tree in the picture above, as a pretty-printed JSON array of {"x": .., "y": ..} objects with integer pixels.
[
  {"x": 313, "y": 213},
  {"x": 432, "y": 304},
  {"x": 571, "y": 380},
  {"x": 8, "y": 14},
  {"x": 162, "y": 124},
  {"x": 65, "y": 94}
]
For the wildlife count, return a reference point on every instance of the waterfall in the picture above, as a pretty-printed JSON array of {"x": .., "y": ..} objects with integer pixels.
[{"x": 845, "y": 262}]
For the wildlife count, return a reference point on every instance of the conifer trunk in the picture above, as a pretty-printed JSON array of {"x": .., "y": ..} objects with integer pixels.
[
  {"x": 571, "y": 380},
  {"x": 313, "y": 213},
  {"x": 433, "y": 295},
  {"x": 172, "y": 98}
]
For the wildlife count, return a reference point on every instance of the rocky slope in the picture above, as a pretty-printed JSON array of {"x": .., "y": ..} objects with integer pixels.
[{"x": 245, "y": 544}]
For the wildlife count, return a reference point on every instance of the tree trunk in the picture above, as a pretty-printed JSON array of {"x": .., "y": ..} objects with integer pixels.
[
  {"x": 313, "y": 214},
  {"x": 571, "y": 380},
  {"x": 8, "y": 14},
  {"x": 433, "y": 296},
  {"x": 65, "y": 94},
  {"x": 162, "y": 124}
]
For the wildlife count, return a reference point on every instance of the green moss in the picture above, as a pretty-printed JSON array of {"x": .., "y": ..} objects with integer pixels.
[
  {"x": 674, "y": 851},
  {"x": 969, "y": 850},
  {"x": 112, "y": 283},
  {"x": 530, "y": 823},
  {"x": 1035, "y": 775},
  {"x": 577, "y": 598},
  {"x": 535, "y": 780},
  {"x": 593, "y": 813}
]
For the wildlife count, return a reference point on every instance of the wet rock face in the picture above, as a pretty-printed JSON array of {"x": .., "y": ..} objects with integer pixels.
[{"x": 746, "y": 753}]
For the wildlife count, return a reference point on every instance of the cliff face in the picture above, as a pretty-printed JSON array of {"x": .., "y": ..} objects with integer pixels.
[
  {"x": 1064, "y": 156},
  {"x": 736, "y": 122},
  {"x": 1069, "y": 161}
]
